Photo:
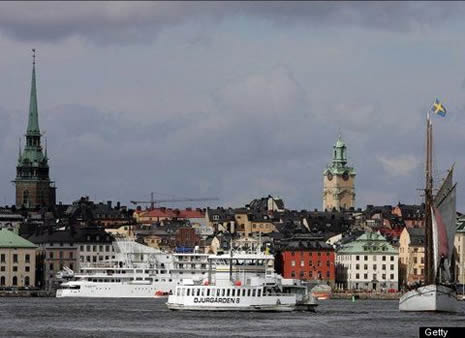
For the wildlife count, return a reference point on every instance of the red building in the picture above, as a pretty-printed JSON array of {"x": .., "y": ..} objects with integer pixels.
[
  {"x": 187, "y": 238},
  {"x": 313, "y": 260}
]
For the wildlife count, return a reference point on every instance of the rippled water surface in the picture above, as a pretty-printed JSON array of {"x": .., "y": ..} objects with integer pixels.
[{"x": 51, "y": 317}]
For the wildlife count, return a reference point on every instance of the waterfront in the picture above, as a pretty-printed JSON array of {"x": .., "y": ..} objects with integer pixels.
[{"x": 51, "y": 317}]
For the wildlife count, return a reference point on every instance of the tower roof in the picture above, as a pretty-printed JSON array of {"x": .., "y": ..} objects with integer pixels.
[
  {"x": 339, "y": 142},
  {"x": 33, "y": 119}
]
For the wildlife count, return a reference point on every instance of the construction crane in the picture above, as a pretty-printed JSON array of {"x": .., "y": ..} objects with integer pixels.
[{"x": 153, "y": 201}]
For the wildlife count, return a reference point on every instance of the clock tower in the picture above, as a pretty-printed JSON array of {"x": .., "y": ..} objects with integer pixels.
[{"x": 338, "y": 180}]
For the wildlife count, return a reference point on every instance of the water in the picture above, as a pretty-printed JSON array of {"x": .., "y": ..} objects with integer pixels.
[{"x": 51, "y": 317}]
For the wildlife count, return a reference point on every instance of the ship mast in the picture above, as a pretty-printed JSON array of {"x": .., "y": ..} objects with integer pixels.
[{"x": 429, "y": 271}]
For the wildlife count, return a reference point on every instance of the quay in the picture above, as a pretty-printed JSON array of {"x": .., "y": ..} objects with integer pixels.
[
  {"x": 26, "y": 293},
  {"x": 365, "y": 295}
]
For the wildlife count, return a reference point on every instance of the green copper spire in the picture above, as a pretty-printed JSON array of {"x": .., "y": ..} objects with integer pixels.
[
  {"x": 33, "y": 121},
  {"x": 338, "y": 164}
]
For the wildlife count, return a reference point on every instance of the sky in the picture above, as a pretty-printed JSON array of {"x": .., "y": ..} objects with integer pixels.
[{"x": 234, "y": 100}]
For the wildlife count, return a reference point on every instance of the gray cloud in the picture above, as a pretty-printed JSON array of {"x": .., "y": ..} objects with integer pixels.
[{"x": 107, "y": 22}]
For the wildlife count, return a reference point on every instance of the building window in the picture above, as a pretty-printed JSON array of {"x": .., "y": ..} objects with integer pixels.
[
  {"x": 414, "y": 260},
  {"x": 50, "y": 255},
  {"x": 2, "y": 258},
  {"x": 302, "y": 263},
  {"x": 2, "y": 268},
  {"x": 365, "y": 276},
  {"x": 384, "y": 267},
  {"x": 27, "y": 268},
  {"x": 374, "y": 266},
  {"x": 392, "y": 266},
  {"x": 27, "y": 258},
  {"x": 26, "y": 198},
  {"x": 365, "y": 267},
  {"x": 384, "y": 276},
  {"x": 2, "y": 280},
  {"x": 365, "y": 258},
  {"x": 293, "y": 263},
  {"x": 15, "y": 258},
  {"x": 293, "y": 274},
  {"x": 15, "y": 280},
  {"x": 51, "y": 266},
  {"x": 15, "y": 268},
  {"x": 357, "y": 258},
  {"x": 357, "y": 276},
  {"x": 384, "y": 258},
  {"x": 357, "y": 266},
  {"x": 26, "y": 281}
]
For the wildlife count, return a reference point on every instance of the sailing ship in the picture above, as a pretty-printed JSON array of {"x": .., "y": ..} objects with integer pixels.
[{"x": 438, "y": 292}]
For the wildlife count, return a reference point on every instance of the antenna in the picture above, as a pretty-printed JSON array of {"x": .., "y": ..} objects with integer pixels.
[{"x": 33, "y": 56}]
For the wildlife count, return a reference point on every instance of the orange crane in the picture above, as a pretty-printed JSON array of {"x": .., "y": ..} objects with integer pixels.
[{"x": 153, "y": 201}]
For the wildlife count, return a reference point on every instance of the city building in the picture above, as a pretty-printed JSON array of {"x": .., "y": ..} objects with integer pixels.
[
  {"x": 307, "y": 260},
  {"x": 10, "y": 220},
  {"x": 459, "y": 244},
  {"x": 339, "y": 180},
  {"x": 70, "y": 247},
  {"x": 413, "y": 215},
  {"x": 368, "y": 263},
  {"x": 411, "y": 255},
  {"x": 17, "y": 261},
  {"x": 34, "y": 189}
]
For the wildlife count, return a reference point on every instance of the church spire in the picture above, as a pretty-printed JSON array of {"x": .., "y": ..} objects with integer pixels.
[{"x": 33, "y": 120}]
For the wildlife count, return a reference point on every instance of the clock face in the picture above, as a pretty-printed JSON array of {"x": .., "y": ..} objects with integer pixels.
[
  {"x": 330, "y": 176},
  {"x": 345, "y": 175}
]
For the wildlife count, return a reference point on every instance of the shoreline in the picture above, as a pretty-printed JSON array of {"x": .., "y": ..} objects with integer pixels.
[{"x": 366, "y": 295}]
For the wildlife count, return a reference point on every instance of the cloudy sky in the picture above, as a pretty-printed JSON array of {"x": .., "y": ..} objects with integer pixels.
[{"x": 234, "y": 100}]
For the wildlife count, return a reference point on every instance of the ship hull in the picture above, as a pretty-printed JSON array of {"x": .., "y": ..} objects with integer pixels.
[
  {"x": 429, "y": 298},
  {"x": 116, "y": 290}
]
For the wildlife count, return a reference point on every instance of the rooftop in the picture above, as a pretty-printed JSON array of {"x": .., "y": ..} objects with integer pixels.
[{"x": 8, "y": 239}]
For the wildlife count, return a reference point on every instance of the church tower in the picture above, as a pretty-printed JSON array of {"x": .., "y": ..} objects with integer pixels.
[
  {"x": 338, "y": 180},
  {"x": 34, "y": 189}
]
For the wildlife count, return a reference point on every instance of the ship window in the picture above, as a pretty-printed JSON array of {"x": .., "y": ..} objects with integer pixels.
[
  {"x": 218, "y": 292},
  {"x": 259, "y": 292},
  {"x": 248, "y": 292},
  {"x": 188, "y": 292},
  {"x": 243, "y": 292},
  {"x": 198, "y": 292},
  {"x": 223, "y": 292},
  {"x": 228, "y": 292},
  {"x": 208, "y": 292},
  {"x": 233, "y": 293},
  {"x": 202, "y": 293},
  {"x": 253, "y": 293}
]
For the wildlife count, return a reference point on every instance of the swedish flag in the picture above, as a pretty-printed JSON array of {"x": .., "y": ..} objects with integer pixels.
[{"x": 438, "y": 108}]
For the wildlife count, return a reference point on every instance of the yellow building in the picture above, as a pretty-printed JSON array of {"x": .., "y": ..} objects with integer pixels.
[
  {"x": 339, "y": 180},
  {"x": 17, "y": 260},
  {"x": 249, "y": 223},
  {"x": 411, "y": 255}
]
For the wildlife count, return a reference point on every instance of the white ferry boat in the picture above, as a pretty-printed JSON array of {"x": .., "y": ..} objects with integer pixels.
[
  {"x": 240, "y": 282},
  {"x": 137, "y": 271}
]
